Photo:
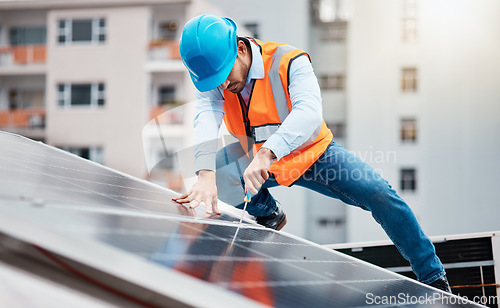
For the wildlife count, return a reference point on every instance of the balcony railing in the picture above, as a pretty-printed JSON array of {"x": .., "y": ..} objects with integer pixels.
[
  {"x": 164, "y": 50},
  {"x": 168, "y": 115},
  {"x": 23, "y": 55},
  {"x": 31, "y": 118}
]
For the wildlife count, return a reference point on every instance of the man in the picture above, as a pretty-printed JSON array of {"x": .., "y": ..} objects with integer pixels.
[{"x": 269, "y": 98}]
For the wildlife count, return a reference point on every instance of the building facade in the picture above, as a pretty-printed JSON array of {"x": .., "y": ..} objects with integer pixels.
[
  {"x": 87, "y": 76},
  {"x": 424, "y": 108}
]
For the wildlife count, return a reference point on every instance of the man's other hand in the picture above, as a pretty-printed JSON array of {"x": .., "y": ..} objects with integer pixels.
[
  {"x": 204, "y": 190},
  {"x": 257, "y": 172}
]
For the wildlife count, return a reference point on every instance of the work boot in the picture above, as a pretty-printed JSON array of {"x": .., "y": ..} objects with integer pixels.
[
  {"x": 441, "y": 284},
  {"x": 276, "y": 221}
]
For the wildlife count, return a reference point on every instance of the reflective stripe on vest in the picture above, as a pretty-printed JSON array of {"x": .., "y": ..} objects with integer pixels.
[
  {"x": 276, "y": 86},
  {"x": 261, "y": 133}
]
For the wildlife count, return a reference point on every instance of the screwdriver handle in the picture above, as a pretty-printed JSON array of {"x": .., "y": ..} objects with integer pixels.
[{"x": 247, "y": 197}]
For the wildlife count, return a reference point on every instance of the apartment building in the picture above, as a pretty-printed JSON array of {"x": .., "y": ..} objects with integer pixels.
[
  {"x": 86, "y": 76},
  {"x": 423, "y": 97}
]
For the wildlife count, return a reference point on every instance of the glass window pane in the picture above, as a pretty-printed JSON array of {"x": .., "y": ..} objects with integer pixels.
[
  {"x": 34, "y": 36},
  {"x": 100, "y": 87},
  {"x": 62, "y": 24},
  {"x": 102, "y": 23},
  {"x": 166, "y": 95},
  {"x": 60, "y": 87},
  {"x": 80, "y": 94},
  {"x": 85, "y": 153},
  {"x": 14, "y": 36},
  {"x": 61, "y": 39},
  {"x": 100, "y": 102},
  {"x": 27, "y": 36},
  {"x": 102, "y": 37},
  {"x": 82, "y": 30}
]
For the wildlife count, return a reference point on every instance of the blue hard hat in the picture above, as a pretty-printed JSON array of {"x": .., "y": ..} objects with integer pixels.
[{"x": 208, "y": 48}]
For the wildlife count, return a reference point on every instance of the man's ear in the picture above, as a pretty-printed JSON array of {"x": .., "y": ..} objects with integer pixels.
[{"x": 242, "y": 48}]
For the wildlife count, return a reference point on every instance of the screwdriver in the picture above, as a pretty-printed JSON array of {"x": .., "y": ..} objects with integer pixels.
[{"x": 246, "y": 199}]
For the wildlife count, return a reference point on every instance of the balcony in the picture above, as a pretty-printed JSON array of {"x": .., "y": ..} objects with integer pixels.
[
  {"x": 167, "y": 115},
  {"x": 23, "y": 59},
  {"x": 29, "y": 122},
  {"x": 164, "y": 56},
  {"x": 164, "y": 50}
]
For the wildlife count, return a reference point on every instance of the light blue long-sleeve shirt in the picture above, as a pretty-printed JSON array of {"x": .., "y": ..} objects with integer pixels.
[{"x": 299, "y": 125}]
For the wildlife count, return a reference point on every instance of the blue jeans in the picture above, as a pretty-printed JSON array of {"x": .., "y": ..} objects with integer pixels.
[{"x": 339, "y": 174}]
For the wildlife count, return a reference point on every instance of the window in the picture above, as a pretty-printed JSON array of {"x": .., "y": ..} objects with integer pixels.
[
  {"x": 409, "y": 130},
  {"x": 325, "y": 222},
  {"x": 409, "y": 79},
  {"x": 166, "y": 95},
  {"x": 27, "y": 36},
  {"x": 410, "y": 8},
  {"x": 408, "y": 179},
  {"x": 332, "y": 82},
  {"x": 95, "y": 154},
  {"x": 168, "y": 30},
  {"x": 334, "y": 31},
  {"x": 338, "y": 129},
  {"x": 409, "y": 21},
  {"x": 23, "y": 98},
  {"x": 80, "y": 94},
  {"x": 81, "y": 30},
  {"x": 409, "y": 30},
  {"x": 253, "y": 28},
  {"x": 328, "y": 10}
]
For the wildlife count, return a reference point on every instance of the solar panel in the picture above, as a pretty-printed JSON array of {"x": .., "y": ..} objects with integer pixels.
[{"x": 132, "y": 230}]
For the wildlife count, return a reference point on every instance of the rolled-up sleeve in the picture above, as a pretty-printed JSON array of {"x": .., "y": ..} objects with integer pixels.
[
  {"x": 207, "y": 121},
  {"x": 306, "y": 115}
]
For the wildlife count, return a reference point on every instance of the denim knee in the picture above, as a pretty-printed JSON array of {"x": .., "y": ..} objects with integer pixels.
[{"x": 230, "y": 163}]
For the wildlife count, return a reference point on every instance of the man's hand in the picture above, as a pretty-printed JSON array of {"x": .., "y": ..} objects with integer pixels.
[
  {"x": 257, "y": 172},
  {"x": 204, "y": 190}
]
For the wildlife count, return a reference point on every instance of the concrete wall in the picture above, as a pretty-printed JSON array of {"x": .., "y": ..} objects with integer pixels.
[{"x": 119, "y": 63}]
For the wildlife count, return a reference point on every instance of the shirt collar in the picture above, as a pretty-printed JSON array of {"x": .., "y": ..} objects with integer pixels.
[{"x": 256, "y": 70}]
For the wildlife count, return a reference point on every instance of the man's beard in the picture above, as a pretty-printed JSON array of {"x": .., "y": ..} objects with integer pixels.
[{"x": 241, "y": 84}]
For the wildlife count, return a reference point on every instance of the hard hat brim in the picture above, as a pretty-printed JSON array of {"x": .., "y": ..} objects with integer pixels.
[{"x": 215, "y": 80}]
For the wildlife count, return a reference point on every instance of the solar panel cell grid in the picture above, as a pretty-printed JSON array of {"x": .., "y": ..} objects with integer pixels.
[{"x": 84, "y": 201}]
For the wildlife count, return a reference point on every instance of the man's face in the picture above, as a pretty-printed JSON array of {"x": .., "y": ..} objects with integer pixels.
[{"x": 237, "y": 78}]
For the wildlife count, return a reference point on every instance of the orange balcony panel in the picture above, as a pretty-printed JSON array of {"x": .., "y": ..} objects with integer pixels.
[
  {"x": 166, "y": 115},
  {"x": 4, "y": 118},
  {"x": 157, "y": 111},
  {"x": 21, "y": 118},
  {"x": 20, "y": 54},
  {"x": 171, "y": 48},
  {"x": 174, "y": 50},
  {"x": 29, "y": 54},
  {"x": 39, "y": 53}
]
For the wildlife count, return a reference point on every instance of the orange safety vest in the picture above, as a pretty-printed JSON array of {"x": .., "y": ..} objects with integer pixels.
[{"x": 268, "y": 107}]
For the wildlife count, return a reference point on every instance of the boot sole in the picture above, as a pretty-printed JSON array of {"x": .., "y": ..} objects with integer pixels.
[{"x": 281, "y": 224}]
